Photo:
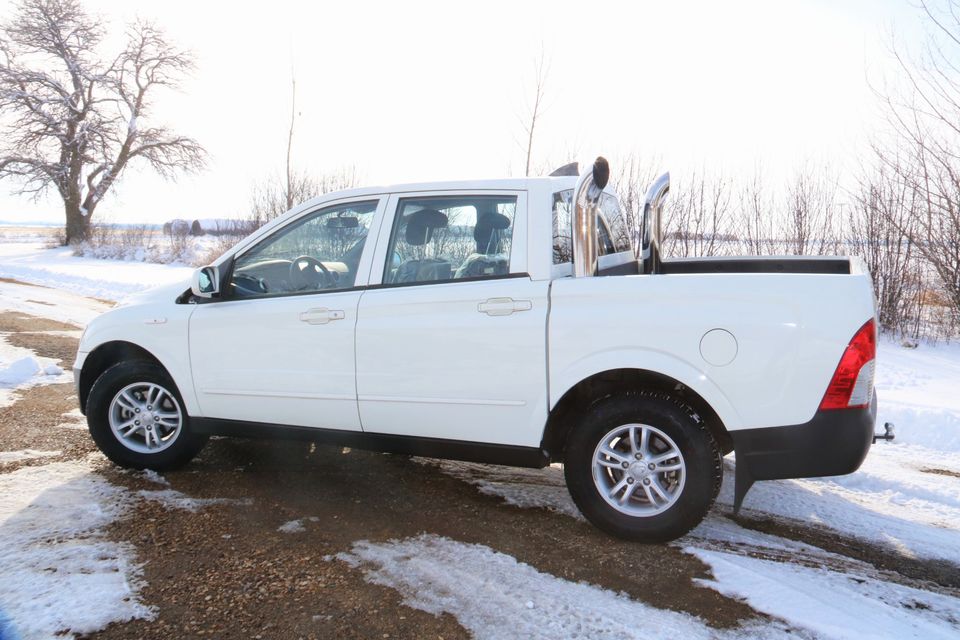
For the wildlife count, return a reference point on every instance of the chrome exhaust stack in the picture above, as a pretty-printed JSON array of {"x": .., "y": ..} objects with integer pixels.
[
  {"x": 649, "y": 241},
  {"x": 586, "y": 204}
]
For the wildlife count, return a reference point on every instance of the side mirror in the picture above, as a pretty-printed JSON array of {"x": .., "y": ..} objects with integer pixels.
[{"x": 206, "y": 282}]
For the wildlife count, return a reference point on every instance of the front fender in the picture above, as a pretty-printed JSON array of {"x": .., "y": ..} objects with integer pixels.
[{"x": 160, "y": 329}]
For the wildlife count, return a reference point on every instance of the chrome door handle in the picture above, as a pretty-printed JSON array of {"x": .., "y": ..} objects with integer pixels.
[
  {"x": 321, "y": 315},
  {"x": 503, "y": 306}
]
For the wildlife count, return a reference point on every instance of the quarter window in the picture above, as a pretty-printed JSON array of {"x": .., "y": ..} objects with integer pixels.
[
  {"x": 612, "y": 235},
  {"x": 450, "y": 238},
  {"x": 320, "y": 252}
]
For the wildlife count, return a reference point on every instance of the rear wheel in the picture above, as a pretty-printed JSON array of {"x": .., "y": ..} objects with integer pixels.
[
  {"x": 642, "y": 466},
  {"x": 136, "y": 417}
]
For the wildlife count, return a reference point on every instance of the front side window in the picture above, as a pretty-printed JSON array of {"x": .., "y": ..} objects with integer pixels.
[
  {"x": 612, "y": 235},
  {"x": 450, "y": 238},
  {"x": 320, "y": 252}
]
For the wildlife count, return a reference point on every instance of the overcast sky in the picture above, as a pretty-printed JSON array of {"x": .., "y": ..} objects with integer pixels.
[{"x": 411, "y": 91}]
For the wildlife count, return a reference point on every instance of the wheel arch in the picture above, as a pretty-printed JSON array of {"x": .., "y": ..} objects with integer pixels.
[
  {"x": 105, "y": 356},
  {"x": 578, "y": 397}
]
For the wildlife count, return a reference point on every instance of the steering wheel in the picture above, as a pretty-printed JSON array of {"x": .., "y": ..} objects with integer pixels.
[{"x": 308, "y": 272}]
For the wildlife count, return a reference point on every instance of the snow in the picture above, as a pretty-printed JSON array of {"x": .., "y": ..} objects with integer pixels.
[
  {"x": 6, "y": 457},
  {"x": 544, "y": 488},
  {"x": 154, "y": 477},
  {"x": 917, "y": 390},
  {"x": 296, "y": 526},
  {"x": 20, "y": 368},
  {"x": 19, "y": 371},
  {"x": 45, "y": 302},
  {"x": 104, "y": 279},
  {"x": 59, "y": 572},
  {"x": 833, "y": 604},
  {"x": 495, "y": 596},
  {"x": 59, "y": 575},
  {"x": 173, "y": 499},
  {"x": 7, "y": 632}
]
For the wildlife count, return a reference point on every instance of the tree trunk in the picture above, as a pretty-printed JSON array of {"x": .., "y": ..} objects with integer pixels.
[{"x": 78, "y": 225}]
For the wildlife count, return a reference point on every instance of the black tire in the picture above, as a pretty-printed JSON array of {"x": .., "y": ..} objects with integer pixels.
[
  {"x": 701, "y": 457},
  {"x": 184, "y": 447}
]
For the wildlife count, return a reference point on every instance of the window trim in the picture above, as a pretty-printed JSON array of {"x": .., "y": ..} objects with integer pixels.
[
  {"x": 518, "y": 241},
  {"x": 359, "y": 282}
]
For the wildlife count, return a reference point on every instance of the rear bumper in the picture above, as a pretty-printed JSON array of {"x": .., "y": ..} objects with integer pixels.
[{"x": 833, "y": 443}]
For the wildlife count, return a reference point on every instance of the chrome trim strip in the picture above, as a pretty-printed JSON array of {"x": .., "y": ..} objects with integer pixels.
[
  {"x": 409, "y": 399},
  {"x": 278, "y": 394}
]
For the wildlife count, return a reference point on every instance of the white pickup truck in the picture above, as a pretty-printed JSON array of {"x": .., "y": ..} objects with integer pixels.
[{"x": 518, "y": 322}]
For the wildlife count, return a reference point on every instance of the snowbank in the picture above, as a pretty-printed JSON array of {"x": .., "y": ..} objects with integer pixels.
[
  {"x": 20, "y": 368},
  {"x": 104, "y": 279}
]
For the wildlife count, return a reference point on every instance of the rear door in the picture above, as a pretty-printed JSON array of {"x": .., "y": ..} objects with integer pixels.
[{"x": 451, "y": 334}]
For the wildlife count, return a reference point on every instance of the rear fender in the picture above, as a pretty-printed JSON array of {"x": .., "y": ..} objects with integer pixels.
[{"x": 648, "y": 360}]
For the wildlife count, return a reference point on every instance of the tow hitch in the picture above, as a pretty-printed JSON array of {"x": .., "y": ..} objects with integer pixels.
[{"x": 887, "y": 434}]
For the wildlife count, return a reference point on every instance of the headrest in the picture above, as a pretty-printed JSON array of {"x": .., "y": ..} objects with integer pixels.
[
  {"x": 486, "y": 226},
  {"x": 420, "y": 225}
]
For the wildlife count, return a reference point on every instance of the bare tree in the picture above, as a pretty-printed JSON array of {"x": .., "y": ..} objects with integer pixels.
[
  {"x": 882, "y": 220},
  {"x": 756, "y": 224},
  {"x": 634, "y": 178},
  {"x": 73, "y": 122},
  {"x": 811, "y": 213},
  {"x": 541, "y": 71},
  {"x": 697, "y": 215},
  {"x": 924, "y": 154},
  {"x": 293, "y": 116},
  {"x": 272, "y": 197}
]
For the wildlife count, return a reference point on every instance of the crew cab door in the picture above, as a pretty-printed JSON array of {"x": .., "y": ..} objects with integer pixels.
[
  {"x": 278, "y": 348},
  {"x": 451, "y": 334}
]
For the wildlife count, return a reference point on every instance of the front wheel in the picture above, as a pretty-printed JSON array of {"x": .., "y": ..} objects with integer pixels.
[
  {"x": 642, "y": 466},
  {"x": 136, "y": 417}
]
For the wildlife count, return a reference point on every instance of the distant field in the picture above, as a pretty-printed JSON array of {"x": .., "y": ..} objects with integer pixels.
[{"x": 28, "y": 233}]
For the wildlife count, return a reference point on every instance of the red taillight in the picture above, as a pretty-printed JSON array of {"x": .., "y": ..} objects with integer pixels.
[{"x": 852, "y": 383}]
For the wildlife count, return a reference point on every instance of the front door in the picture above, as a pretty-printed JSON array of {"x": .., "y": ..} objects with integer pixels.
[
  {"x": 278, "y": 348},
  {"x": 452, "y": 344}
]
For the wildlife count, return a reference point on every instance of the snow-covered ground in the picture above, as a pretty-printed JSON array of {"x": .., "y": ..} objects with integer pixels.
[
  {"x": 58, "y": 572},
  {"x": 104, "y": 279},
  {"x": 495, "y": 596}
]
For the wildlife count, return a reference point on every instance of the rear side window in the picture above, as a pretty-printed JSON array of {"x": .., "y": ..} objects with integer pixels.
[
  {"x": 450, "y": 238},
  {"x": 616, "y": 224},
  {"x": 612, "y": 236}
]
